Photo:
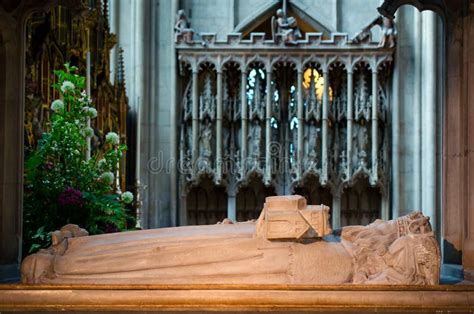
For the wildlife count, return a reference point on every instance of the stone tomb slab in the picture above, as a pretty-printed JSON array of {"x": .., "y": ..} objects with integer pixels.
[{"x": 228, "y": 298}]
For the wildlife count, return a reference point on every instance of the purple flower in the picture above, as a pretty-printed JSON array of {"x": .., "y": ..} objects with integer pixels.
[{"x": 70, "y": 197}]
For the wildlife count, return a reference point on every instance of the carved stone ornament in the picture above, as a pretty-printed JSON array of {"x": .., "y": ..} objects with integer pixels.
[
  {"x": 182, "y": 27},
  {"x": 286, "y": 245},
  {"x": 389, "y": 33},
  {"x": 286, "y": 27}
]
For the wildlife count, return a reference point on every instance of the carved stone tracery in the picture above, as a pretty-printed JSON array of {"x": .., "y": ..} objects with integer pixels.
[{"x": 293, "y": 114}]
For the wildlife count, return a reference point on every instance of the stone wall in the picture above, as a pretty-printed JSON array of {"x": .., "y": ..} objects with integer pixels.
[
  {"x": 458, "y": 157},
  {"x": 11, "y": 140},
  {"x": 153, "y": 56}
]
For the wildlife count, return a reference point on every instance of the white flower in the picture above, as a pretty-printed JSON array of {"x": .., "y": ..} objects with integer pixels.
[
  {"x": 89, "y": 111},
  {"x": 112, "y": 138},
  {"x": 107, "y": 177},
  {"x": 92, "y": 113},
  {"x": 88, "y": 131},
  {"x": 102, "y": 163},
  {"x": 67, "y": 87},
  {"x": 85, "y": 98},
  {"x": 127, "y": 197},
  {"x": 57, "y": 105}
]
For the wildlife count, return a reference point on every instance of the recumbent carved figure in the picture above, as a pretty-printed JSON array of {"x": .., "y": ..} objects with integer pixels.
[{"x": 286, "y": 245}]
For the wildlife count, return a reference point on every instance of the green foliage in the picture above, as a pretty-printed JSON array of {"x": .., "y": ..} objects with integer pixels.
[{"x": 61, "y": 186}]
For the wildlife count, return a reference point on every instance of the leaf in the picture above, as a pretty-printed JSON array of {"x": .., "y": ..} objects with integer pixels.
[
  {"x": 34, "y": 248},
  {"x": 39, "y": 233}
]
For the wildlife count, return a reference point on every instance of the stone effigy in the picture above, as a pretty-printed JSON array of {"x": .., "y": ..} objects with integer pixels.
[{"x": 286, "y": 245}]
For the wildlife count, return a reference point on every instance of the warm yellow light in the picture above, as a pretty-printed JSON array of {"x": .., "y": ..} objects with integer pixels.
[{"x": 318, "y": 83}]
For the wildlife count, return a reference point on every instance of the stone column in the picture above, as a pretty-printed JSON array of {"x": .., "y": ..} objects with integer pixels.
[
  {"x": 231, "y": 201},
  {"x": 324, "y": 153},
  {"x": 417, "y": 113},
  {"x": 428, "y": 122},
  {"x": 195, "y": 117},
  {"x": 336, "y": 210},
  {"x": 128, "y": 21},
  {"x": 173, "y": 125},
  {"x": 244, "y": 119},
  {"x": 300, "y": 117},
  {"x": 11, "y": 142},
  {"x": 350, "y": 119},
  {"x": 385, "y": 206},
  {"x": 114, "y": 19},
  {"x": 268, "y": 131},
  {"x": 395, "y": 154},
  {"x": 183, "y": 210},
  {"x": 374, "y": 125},
  {"x": 219, "y": 127}
]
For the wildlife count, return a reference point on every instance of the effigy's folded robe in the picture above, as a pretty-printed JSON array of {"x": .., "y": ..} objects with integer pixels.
[{"x": 284, "y": 246}]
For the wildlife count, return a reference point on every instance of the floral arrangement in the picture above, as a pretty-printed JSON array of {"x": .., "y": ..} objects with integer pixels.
[{"x": 62, "y": 186}]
